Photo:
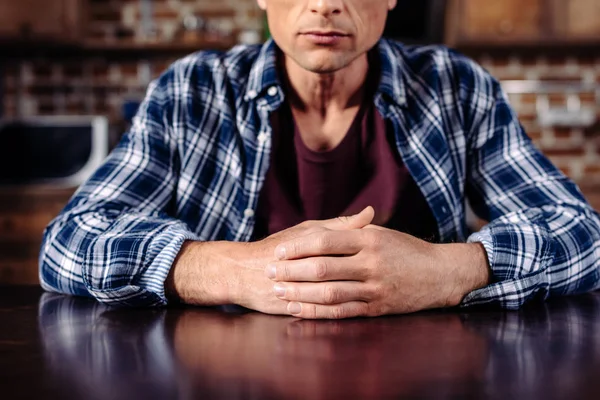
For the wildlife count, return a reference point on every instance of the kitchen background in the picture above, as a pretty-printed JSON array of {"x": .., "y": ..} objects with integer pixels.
[{"x": 65, "y": 58}]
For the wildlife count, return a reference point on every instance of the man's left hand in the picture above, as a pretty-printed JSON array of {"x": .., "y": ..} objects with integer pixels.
[{"x": 373, "y": 271}]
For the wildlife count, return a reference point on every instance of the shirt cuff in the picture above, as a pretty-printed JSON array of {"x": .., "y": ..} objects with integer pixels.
[
  {"x": 484, "y": 237},
  {"x": 163, "y": 251},
  {"x": 147, "y": 287}
]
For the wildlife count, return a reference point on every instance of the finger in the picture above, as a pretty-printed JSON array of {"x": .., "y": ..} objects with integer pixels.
[
  {"x": 323, "y": 293},
  {"x": 318, "y": 269},
  {"x": 375, "y": 227},
  {"x": 356, "y": 221},
  {"x": 339, "y": 311},
  {"x": 323, "y": 243}
]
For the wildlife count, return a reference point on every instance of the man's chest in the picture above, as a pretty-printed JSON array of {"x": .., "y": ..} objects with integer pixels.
[{"x": 323, "y": 133}]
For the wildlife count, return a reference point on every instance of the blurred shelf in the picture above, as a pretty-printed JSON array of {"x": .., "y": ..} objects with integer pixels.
[
  {"x": 22, "y": 197},
  {"x": 550, "y": 46},
  {"x": 548, "y": 26},
  {"x": 161, "y": 47},
  {"x": 23, "y": 48}
]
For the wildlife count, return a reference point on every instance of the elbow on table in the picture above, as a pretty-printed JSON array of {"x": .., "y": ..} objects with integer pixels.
[
  {"x": 48, "y": 278},
  {"x": 54, "y": 272}
]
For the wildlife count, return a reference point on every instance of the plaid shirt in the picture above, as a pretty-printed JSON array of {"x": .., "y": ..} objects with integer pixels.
[{"x": 193, "y": 164}]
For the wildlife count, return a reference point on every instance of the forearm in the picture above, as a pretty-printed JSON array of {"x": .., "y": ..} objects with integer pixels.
[
  {"x": 469, "y": 269},
  {"x": 197, "y": 278}
]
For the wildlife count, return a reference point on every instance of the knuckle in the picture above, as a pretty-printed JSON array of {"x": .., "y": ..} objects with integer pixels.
[
  {"x": 321, "y": 268},
  {"x": 324, "y": 242},
  {"x": 372, "y": 238},
  {"x": 337, "y": 312},
  {"x": 379, "y": 266},
  {"x": 330, "y": 295},
  {"x": 376, "y": 291},
  {"x": 292, "y": 249},
  {"x": 291, "y": 292},
  {"x": 367, "y": 293},
  {"x": 374, "y": 310},
  {"x": 367, "y": 272},
  {"x": 284, "y": 273},
  {"x": 310, "y": 311}
]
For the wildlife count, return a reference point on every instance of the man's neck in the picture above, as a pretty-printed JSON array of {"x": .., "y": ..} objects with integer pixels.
[{"x": 325, "y": 94}]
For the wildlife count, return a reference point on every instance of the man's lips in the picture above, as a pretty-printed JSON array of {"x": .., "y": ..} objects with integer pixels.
[
  {"x": 324, "y": 33},
  {"x": 325, "y": 37}
]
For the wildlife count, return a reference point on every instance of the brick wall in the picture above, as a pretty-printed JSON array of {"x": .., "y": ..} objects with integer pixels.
[
  {"x": 102, "y": 83},
  {"x": 118, "y": 20},
  {"x": 575, "y": 151}
]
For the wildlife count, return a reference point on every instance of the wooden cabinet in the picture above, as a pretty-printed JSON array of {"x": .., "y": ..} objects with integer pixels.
[
  {"x": 580, "y": 19},
  {"x": 528, "y": 23},
  {"x": 41, "y": 20},
  {"x": 24, "y": 214},
  {"x": 505, "y": 20}
]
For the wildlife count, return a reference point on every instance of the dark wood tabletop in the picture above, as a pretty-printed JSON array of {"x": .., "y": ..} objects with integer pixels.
[{"x": 59, "y": 347}]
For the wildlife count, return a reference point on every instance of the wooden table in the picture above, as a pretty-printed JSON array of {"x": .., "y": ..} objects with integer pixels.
[{"x": 56, "y": 347}]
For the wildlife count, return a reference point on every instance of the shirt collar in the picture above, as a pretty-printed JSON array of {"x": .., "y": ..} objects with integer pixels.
[
  {"x": 393, "y": 70},
  {"x": 263, "y": 74},
  {"x": 264, "y": 77}
]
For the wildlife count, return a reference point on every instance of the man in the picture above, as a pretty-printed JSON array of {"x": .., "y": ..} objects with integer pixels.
[{"x": 203, "y": 200}]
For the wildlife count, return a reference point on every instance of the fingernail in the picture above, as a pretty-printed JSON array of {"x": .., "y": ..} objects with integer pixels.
[
  {"x": 271, "y": 271},
  {"x": 280, "y": 253},
  {"x": 279, "y": 290},
  {"x": 295, "y": 308}
]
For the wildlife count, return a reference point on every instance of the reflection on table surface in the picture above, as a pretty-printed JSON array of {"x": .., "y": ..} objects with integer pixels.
[{"x": 545, "y": 351}]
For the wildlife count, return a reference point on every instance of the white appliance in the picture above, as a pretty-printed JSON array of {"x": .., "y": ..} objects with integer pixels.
[{"x": 57, "y": 151}]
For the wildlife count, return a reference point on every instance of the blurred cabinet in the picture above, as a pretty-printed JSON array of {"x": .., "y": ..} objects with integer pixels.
[
  {"x": 43, "y": 20},
  {"x": 24, "y": 214},
  {"x": 528, "y": 23},
  {"x": 505, "y": 20},
  {"x": 581, "y": 19}
]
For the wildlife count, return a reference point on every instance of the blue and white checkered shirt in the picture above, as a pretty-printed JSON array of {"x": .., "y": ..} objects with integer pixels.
[{"x": 195, "y": 159}]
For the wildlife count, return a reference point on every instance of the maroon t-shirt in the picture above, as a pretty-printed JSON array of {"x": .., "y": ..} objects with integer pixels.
[{"x": 364, "y": 169}]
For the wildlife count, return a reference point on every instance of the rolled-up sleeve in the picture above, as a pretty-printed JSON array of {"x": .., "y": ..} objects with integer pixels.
[
  {"x": 543, "y": 238},
  {"x": 116, "y": 239}
]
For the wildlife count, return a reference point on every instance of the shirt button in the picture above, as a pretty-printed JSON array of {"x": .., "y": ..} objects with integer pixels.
[
  {"x": 272, "y": 91},
  {"x": 252, "y": 94},
  {"x": 262, "y": 137},
  {"x": 248, "y": 213}
]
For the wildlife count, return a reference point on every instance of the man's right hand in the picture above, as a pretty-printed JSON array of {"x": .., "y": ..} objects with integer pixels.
[{"x": 216, "y": 273}]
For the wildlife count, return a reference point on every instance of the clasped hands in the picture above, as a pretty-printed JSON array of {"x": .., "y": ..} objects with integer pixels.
[{"x": 346, "y": 267}]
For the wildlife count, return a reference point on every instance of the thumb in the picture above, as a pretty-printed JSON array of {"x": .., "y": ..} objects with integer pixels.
[{"x": 356, "y": 221}]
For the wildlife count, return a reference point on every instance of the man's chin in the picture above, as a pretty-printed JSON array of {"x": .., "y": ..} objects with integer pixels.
[
  {"x": 324, "y": 66},
  {"x": 323, "y": 70}
]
